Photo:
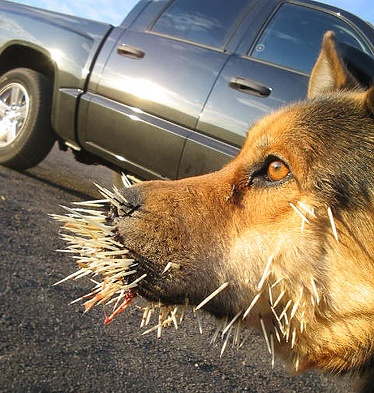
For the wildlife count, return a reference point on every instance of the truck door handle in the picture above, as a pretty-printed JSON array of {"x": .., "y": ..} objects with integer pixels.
[
  {"x": 250, "y": 87},
  {"x": 130, "y": 51}
]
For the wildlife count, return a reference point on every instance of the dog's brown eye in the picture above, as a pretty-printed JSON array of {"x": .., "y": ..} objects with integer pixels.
[{"x": 277, "y": 170}]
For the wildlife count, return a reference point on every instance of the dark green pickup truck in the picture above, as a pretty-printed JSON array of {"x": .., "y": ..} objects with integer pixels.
[{"x": 169, "y": 93}]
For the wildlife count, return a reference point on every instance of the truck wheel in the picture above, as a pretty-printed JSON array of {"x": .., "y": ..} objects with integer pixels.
[{"x": 26, "y": 135}]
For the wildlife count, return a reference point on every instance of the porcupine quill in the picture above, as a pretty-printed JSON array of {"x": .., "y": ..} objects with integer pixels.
[{"x": 332, "y": 222}]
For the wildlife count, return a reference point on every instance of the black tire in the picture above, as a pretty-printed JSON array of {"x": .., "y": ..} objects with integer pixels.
[{"x": 26, "y": 135}]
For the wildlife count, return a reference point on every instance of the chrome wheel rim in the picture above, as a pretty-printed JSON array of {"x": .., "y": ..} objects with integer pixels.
[{"x": 14, "y": 108}]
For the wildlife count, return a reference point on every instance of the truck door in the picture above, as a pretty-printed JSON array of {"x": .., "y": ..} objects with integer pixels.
[
  {"x": 270, "y": 68},
  {"x": 147, "y": 97}
]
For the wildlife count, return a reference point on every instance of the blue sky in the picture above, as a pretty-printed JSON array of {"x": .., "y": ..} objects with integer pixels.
[
  {"x": 110, "y": 11},
  {"x": 113, "y": 11}
]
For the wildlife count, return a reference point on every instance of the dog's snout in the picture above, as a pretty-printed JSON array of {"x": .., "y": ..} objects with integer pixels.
[{"x": 133, "y": 196}]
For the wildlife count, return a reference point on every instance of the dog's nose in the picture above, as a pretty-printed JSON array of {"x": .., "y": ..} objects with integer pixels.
[{"x": 133, "y": 196}]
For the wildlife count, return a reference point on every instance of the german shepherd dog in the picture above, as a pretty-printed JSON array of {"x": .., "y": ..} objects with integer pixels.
[{"x": 282, "y": 237}]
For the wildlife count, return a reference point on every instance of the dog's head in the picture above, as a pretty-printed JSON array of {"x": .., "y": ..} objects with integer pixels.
[
  {"x": 286, "y": 227},
  {"x": 283, "y": 236}
]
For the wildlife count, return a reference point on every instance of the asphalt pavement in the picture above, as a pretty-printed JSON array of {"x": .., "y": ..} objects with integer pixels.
[{"x": 48, "y": 345}]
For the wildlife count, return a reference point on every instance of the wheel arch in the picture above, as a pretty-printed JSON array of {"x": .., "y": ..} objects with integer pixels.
[
  {"x": 24, "y": 55},
  {"x": 18, "y": 55}
]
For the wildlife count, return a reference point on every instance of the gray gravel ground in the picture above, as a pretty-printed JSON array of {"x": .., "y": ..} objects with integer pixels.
[{"x": 47, "y": 345}]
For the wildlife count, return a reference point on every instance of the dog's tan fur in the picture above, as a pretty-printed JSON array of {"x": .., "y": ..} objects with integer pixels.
[{"x": 265, "y": 225}]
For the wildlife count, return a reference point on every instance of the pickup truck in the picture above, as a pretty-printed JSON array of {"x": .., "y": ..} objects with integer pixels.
[{"x": 169, "y": 93}]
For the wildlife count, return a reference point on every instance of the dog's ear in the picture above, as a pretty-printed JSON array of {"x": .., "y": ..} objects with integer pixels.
[{"x": 329, "y": 73}]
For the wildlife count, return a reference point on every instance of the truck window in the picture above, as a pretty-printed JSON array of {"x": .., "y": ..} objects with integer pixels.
[
  {"x": 294, "y": 34},
  {"x": 208, "y": 22}
]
